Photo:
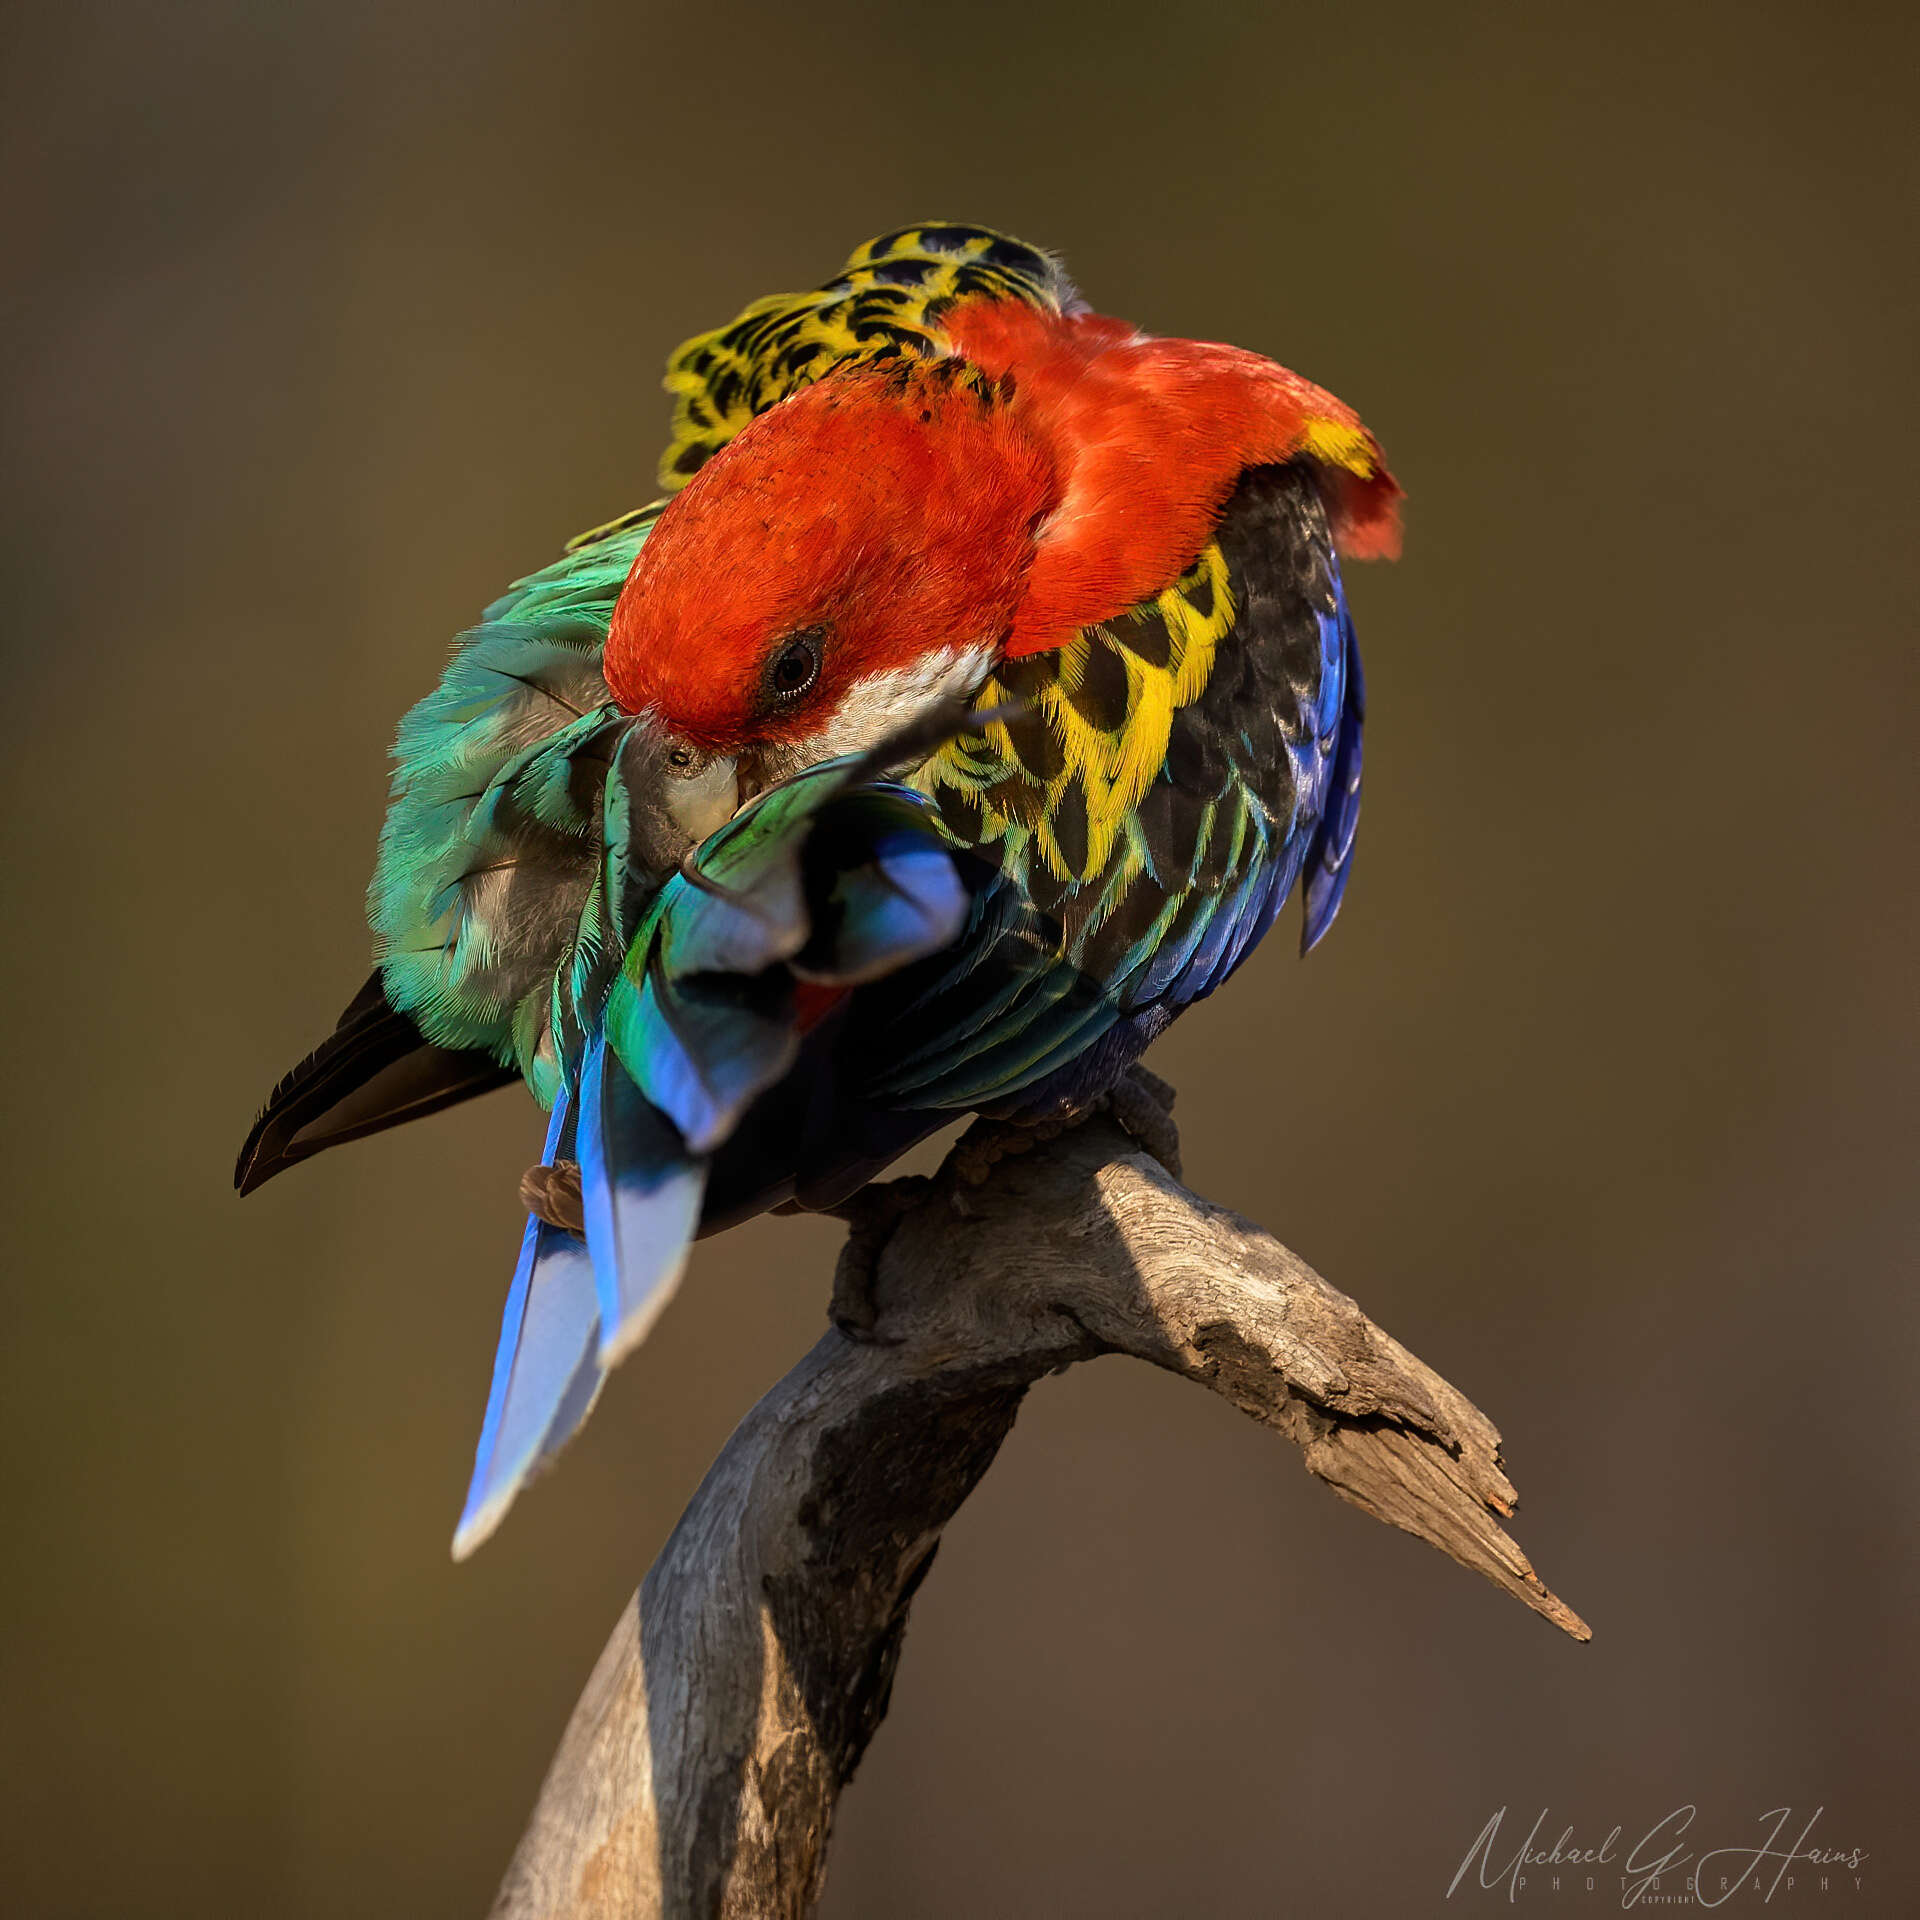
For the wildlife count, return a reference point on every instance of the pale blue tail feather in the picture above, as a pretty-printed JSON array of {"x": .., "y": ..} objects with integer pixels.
[
  {"x": 546, "y": 1373},
  {"x": 640, "y": 1193}
]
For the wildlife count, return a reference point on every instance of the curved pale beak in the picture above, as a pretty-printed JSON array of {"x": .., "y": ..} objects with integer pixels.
[
  {"x": 677, "y": 794},
  {"x": 702, "y": 795}
]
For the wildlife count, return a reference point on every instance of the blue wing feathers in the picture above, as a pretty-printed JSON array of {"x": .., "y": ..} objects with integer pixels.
[
  {"x": 1329, "y": 862},
  {"x": 907, "y": 901},
  {"x": 702, "y": 1049}
]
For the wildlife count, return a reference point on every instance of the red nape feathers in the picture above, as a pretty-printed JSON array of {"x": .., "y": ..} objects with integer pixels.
[
  {"x": 1149, "y": 436},
  {"x": 891, "y": 508}
]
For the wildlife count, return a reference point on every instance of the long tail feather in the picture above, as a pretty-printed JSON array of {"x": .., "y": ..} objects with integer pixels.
[
  {"x": 546, "y": 1373},
  {"x": 640, "y": 1193}
]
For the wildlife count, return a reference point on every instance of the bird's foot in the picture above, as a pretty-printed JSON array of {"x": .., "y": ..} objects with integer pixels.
[
  {"x": 987, "y": 1142},
  {"x": 552, "y": 1194},
  {"x": 871, "y": 1216},
  {"x": 1139, "y": 1102},
  {"x": 1141, "y": 1105}
]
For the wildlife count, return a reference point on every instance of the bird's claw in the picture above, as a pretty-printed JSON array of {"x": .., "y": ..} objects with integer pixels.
[
  {"x": 552, "y": 1194},
  {"x": 871, "y": 1216},
  {"x": 1140, "y": 1103}
]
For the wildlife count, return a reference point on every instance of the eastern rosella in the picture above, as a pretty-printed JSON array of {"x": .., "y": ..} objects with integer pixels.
[{"x": 968, "y": 710}]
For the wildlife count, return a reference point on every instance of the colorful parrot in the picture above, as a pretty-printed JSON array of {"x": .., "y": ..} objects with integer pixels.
[{"x": 968, "y": 710}]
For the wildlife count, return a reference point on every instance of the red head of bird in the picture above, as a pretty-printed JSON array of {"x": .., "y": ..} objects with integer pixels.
[{"x": 876, "y": 541}]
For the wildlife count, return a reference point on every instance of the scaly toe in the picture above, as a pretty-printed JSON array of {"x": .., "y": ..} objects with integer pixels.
[
  {"x": 552, "y": 1194},
  {"x": 1136, "y": 1105},
  {"x": 871, "y": 1216}
]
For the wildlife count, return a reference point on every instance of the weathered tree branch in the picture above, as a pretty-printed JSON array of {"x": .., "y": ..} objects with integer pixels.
[{"x": 700, "y": 1771}]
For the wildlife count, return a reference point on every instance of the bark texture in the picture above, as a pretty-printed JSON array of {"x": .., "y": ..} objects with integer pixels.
[{"x": 699, "y": 1774}]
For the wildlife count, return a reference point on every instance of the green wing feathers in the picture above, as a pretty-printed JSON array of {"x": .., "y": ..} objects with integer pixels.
[{"x": 492, "y": 848}]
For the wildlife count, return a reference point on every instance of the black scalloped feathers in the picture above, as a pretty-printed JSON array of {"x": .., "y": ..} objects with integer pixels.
[
  {"x": 1229, "y": 749},
  {"x": 1076, "y": 970},
  {"x": 888, "y": 300}
]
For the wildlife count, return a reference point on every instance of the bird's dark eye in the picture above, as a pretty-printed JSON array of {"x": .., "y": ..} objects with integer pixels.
[{"x": 795, "y": 666}]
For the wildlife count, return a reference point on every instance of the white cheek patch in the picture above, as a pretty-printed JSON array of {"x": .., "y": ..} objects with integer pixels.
[{"x": 882, "y": 702}]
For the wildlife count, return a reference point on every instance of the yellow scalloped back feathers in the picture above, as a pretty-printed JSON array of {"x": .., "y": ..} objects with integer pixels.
[
  {"x": 1034, "y": 781},
  {"x": 888, "y": 298}
]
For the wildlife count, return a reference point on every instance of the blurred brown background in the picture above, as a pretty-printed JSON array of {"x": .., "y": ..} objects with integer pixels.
[{"x": 324, "y": 321}]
